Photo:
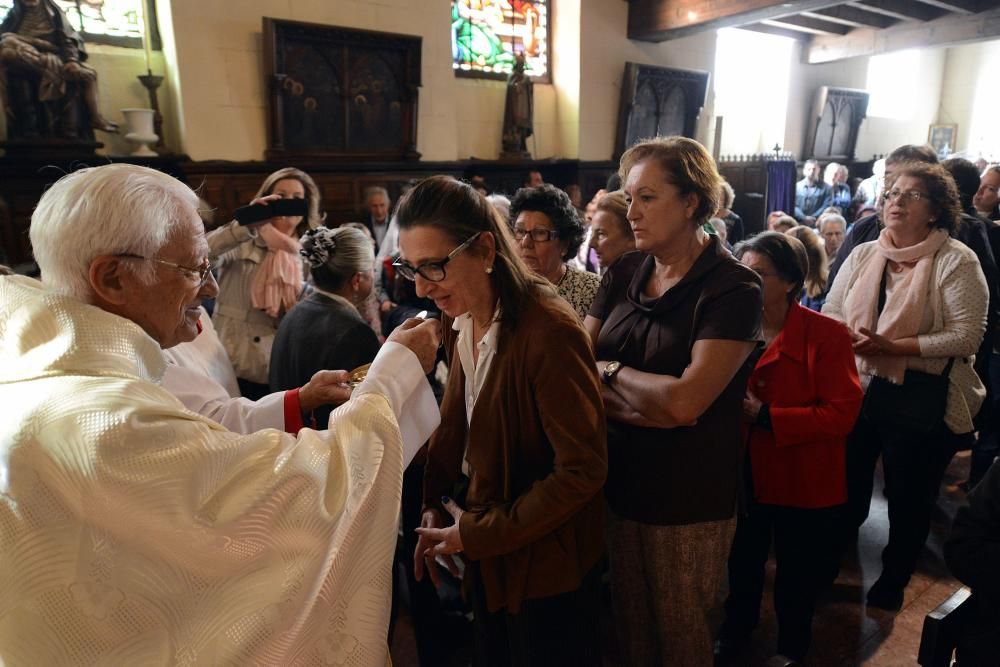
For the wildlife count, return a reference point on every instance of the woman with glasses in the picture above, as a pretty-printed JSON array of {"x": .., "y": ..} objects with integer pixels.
[
  {"x": 260, "y": 277},
  {"x": 326, "y": 331},
  {"x": 548, "y": 232},
  {"x": 513, "y": 474},
  {"x": 915, "y": 302},
  {"x": 673, "y": 327}
]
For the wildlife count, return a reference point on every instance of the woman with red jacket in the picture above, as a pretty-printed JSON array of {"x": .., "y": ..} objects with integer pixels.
[{"x": 802, "y": 400}]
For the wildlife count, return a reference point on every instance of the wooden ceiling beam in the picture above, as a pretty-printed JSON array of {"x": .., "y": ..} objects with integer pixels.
[
  {"x": 661, "y": 20},
  {"x": 945, "y": 31},
  {"x": 809, "y": 25},
  {"x": 955, "y": 6},
  {"x": 852, "y": 16},
  {"x": 904, "y": 10},
  {"x": 780, "y": 32}
]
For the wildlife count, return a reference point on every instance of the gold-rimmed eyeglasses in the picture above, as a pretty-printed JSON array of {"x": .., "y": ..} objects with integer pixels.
[{"x": 201, "y": 273}]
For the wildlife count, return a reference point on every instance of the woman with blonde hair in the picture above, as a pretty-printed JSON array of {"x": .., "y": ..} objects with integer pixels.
[
  {"x": 673, "y": 327},
  {"x": 815, "y": 287},
  {"x": 261, "y": 276},
  {"x": 611, "y": 235}
]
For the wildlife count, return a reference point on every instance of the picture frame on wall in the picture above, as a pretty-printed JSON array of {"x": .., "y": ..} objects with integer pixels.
[{"x": 942, "y": 138}]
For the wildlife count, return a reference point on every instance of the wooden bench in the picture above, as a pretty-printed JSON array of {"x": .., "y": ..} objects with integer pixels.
[{"x": 941, "y": 630}]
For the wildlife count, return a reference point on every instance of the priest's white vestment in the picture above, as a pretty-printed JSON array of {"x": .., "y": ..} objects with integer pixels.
[{"x": 136, "y": 532}]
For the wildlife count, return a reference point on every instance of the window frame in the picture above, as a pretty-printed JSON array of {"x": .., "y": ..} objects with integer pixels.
[
  {"x": 502, "y": 76},
  {"x": 91, "y": 38}
]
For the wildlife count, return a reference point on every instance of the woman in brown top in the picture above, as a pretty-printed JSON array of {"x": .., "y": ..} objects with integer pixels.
[
  {"x": 673, "y": 329},
  {"x": 522, "y": 419}
]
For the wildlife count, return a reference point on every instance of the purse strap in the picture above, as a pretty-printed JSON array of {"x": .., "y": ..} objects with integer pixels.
[{"x": 881, "y": 306}]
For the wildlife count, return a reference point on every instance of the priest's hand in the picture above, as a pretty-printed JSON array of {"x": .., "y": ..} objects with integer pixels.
[
  {"x": 325, "y": 388},
  {"x": 422, "y": 337}
]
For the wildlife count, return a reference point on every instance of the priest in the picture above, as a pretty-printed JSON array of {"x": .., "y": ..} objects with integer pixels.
[{"x": 134, "y": 531}]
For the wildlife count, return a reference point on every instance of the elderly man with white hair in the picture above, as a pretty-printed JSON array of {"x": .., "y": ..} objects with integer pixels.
[
  {"x": 136, "y": 532},
  {"x": 832, "y": 228}
]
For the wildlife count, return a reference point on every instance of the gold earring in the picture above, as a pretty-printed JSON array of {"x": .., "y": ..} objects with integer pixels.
[{"x": 489, "y": 269}]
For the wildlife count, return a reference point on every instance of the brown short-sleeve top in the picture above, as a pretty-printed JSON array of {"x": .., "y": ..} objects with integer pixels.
[{"x": 687, "y": 474}]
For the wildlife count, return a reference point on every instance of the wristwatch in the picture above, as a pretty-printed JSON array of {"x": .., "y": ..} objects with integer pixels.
[{"x": 610, "y": 371}]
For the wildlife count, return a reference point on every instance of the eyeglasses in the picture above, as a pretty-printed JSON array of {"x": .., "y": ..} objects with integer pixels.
[
  {"x": 905, "y": 196},
  {"x": 538, "y": 235},
  {"x": 432, "y": 271},
  {"x": 200, "y": 273}
]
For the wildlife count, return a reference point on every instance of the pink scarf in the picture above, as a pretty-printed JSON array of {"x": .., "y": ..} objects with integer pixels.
[
  {"x": 278, "y": 280},
  {"x": 904, "y": 307}
]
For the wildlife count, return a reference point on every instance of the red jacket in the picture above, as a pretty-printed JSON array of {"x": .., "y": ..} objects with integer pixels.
[{"x": 809, "y": 379}]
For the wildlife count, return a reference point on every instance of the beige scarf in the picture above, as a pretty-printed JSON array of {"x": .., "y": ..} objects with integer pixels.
[
  {"x": 278, "y": 280},
  {"x": 904, "y": 307}
]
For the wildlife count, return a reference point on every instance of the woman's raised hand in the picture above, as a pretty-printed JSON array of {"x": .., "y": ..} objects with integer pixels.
[{"x": 435, "y": 541}]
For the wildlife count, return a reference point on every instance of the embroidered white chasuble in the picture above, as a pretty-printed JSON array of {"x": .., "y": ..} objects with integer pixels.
[{"x": 135, "y": 532}]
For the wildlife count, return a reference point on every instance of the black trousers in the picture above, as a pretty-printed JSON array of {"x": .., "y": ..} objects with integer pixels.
[
  {"x": 558, "y": 630},
  {"x": 913, "y": 464},
  {"x": 805, "y": 542}
]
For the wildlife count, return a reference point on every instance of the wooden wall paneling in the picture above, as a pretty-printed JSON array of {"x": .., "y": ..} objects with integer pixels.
[{"x": 229, "y": 185}]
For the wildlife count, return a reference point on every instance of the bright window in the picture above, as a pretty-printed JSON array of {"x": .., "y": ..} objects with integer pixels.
[
  {"x": 113, "y": 22},
  {"x": 752, "y": 71},
  {"x": 892, "y": 78},
  {"x": 487, "y": 34}
]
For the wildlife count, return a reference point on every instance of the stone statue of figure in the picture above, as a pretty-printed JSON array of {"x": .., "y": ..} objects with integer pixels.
[
  {"x": 43, "y": 77},
  {"x": 518, "y": 112}
]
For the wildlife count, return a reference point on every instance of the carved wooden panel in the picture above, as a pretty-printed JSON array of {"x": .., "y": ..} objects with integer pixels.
[
  {"x": 659, "y": 101},
  {"x": 341, "y": 93},
  {"x": 834, "y": 124}
]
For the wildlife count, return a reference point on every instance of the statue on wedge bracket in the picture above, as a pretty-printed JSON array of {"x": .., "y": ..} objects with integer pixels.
[
  {"x": 518, "y": 113},
  {"x": 48, "y": 93}
]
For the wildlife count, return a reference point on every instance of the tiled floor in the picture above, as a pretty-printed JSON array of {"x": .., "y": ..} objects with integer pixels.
[{"x": 844, "y": 631}]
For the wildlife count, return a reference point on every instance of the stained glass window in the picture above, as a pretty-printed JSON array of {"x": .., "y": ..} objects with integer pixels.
[
  {"x": 113, "y": 22},
  {"x": 487, "y": 34}
]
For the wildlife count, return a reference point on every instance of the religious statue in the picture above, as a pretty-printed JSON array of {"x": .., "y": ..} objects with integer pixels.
[
  {"x": 46, "y": 90},
  {"x": 518, "y": 112}
]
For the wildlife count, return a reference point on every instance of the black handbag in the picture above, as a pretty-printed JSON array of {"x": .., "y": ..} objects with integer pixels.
[{"x": 916, "y": 405}]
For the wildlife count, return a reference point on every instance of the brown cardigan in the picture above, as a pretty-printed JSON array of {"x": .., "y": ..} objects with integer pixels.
[{"x": 538, "y": 454}]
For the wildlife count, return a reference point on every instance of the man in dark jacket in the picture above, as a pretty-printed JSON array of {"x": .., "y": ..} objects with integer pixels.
[{"x": 972, "y": 553}]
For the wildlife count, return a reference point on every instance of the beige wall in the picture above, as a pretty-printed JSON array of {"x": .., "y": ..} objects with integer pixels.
[
  {"x": 970, "y": 98},
  {"x": 604, "y": 50},
  {"x": 877, "y": 135},
  {"x": 215, "y": 107},
  {"x": 221, "y": 90}
]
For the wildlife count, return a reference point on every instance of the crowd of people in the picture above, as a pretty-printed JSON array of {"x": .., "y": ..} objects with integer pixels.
[{"x": 549, "y": 397}]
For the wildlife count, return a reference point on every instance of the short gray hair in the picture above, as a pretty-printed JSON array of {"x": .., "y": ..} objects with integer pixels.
[
  {"x": 107, "y": 210},
  {"x": 376, "y": 190},
  {"x": 830, "y": 217}
]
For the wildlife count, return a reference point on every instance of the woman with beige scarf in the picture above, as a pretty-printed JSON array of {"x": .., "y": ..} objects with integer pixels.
[
  {"x": 261, "y": 278},
  {"x": 914, "y": 300}
]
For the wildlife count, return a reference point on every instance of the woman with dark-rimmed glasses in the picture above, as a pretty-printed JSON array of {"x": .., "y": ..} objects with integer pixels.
[
  {"x": 548, "y": 233},
  {"x": 522, "y": 433}
]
